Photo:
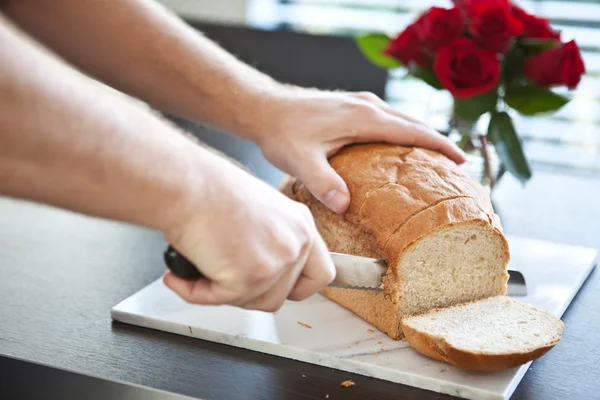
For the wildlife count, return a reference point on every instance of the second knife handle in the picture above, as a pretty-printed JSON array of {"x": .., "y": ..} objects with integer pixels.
[{"x": 181, "y": 266}]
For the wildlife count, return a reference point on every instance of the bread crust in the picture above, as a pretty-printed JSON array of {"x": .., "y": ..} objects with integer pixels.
[
  {"x": 398, "y": 196},
  {"x": 377, "y": 308},
  {"x": 384, "y": 177}
]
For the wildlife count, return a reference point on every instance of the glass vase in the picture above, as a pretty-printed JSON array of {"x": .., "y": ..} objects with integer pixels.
[{"x": 482, "y": 162}]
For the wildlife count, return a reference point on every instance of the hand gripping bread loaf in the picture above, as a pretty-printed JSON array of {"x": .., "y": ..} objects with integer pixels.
[{"x": 433, "y": 224}]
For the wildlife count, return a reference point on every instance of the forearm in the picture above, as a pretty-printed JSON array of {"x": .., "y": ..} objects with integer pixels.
[
  {"x": 66, "y": 141},
  {"x": 140, "y": 48}
]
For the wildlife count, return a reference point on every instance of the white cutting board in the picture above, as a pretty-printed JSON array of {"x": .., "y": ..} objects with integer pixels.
[{"x": 338, "y": 339}]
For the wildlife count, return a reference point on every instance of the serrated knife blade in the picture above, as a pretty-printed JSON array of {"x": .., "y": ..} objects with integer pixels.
[{"x": 358, "y": 272}]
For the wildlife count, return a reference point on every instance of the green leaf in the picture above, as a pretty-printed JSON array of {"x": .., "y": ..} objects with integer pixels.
[
  {"x": 426, "y": 75},
  {"x": 502, "y": 134},
  {"x": 372, "y": 46},
  {"x": 474, "y": 107},
  {"x": 531, "y": 46},
  {"x": 512, "y": 65},
  {"x": 529, "y": 98}
]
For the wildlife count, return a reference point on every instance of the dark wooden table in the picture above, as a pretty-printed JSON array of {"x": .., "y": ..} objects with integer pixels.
[{"x": 60, "y": 274}]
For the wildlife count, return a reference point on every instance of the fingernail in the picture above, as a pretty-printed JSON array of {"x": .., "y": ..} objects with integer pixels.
[{"x": 336, "y": 201}]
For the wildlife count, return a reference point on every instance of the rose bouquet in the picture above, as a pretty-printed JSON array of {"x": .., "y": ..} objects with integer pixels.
[{"x": 491, "y": 56}]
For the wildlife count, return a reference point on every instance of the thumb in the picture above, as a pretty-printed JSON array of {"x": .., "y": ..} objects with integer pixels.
[{"x": 325, "y": 184}]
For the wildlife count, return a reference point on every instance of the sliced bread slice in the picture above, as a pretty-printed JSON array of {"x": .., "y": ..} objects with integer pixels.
[{"x": 493, "y": 334}]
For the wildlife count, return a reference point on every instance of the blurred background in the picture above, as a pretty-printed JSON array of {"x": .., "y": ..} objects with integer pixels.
[{"x": 311, "y": 43}]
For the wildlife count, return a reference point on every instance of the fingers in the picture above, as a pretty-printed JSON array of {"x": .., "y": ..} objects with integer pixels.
[
  {"x": 318, "y": 272},
  {"x": 404, "y": 130},
  {"x": 373, "y": 98},
  {"x": 313, "y": 271},
  {"x": 274, "y": 298},
  {"x": 423, "y": 136},
  {"x": 396, "y": 130},
  {"x": 325, "y": 184},
  {"x": 200, "y": 291},
  {"x": 256, "y": 291}
]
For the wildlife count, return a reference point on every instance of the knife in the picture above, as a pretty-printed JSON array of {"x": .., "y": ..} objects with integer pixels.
[{"x": 352, "y": 272}]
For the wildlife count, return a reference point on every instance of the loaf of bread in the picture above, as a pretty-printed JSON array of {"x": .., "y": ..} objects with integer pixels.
[{"x": 432, "y": 223}]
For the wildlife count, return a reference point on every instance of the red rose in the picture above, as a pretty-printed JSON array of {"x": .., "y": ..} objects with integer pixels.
[
  {"x": 492, "y": 24},
  {"x": 439, "y": 26},
  {"x": 560, "y": 65},
  {"x": 407, "y": 47},
  {"x": 466, "y": 5},
  {"x": 465, "y": 69},
  {"x": 534, "y": 27}
]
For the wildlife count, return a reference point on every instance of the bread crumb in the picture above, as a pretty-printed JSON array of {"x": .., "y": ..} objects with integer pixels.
[
  {"x": 379, "y": 342},
  {"x": 348, "y": 383},
  {"x": 370, "y": 331},
  {"x": 304, "y": 325},
  {"x": 304, "y": 376},
  {"x": 326, "y": 396}
]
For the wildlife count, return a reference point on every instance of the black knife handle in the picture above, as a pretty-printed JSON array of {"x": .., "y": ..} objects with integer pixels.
[{"x": 181, "y": 266}]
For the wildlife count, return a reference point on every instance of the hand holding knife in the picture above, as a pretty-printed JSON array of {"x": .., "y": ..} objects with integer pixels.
[{"x": 352, "y": 272}]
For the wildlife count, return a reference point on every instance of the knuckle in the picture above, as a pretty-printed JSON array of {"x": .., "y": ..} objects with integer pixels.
[
  {"x": 307, "y": 237},
  {"x": 366, "y": 110},
  {"x": 305, "y": 213},
  {"x": 305, "y": 226},
  {"x": 261, "y": 272},
  {"x": 289, "y": 253},
  {"x": 306, "y": 230},
  {"x": 368, "y": 96}
]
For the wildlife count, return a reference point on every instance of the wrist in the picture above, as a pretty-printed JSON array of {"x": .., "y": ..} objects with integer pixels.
[
  {"x": 197, "y": 193},
  {"x": 259, "y": 114}
]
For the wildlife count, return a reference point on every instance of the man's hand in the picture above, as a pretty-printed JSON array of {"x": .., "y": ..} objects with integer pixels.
[
  {"x": 256, "y": 247},
  {"x": 305, "y": 127}
]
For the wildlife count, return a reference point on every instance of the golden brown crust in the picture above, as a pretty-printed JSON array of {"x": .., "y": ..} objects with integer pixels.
[
  {"x": 439, "y": 349},
  {"x": 398, "y": 195},
  {"x": 422, "y": 344},
  {"x": 443, "y": 214},
  {"x": 384, "y": 177},
  {"x": 376, "y": 308}
]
